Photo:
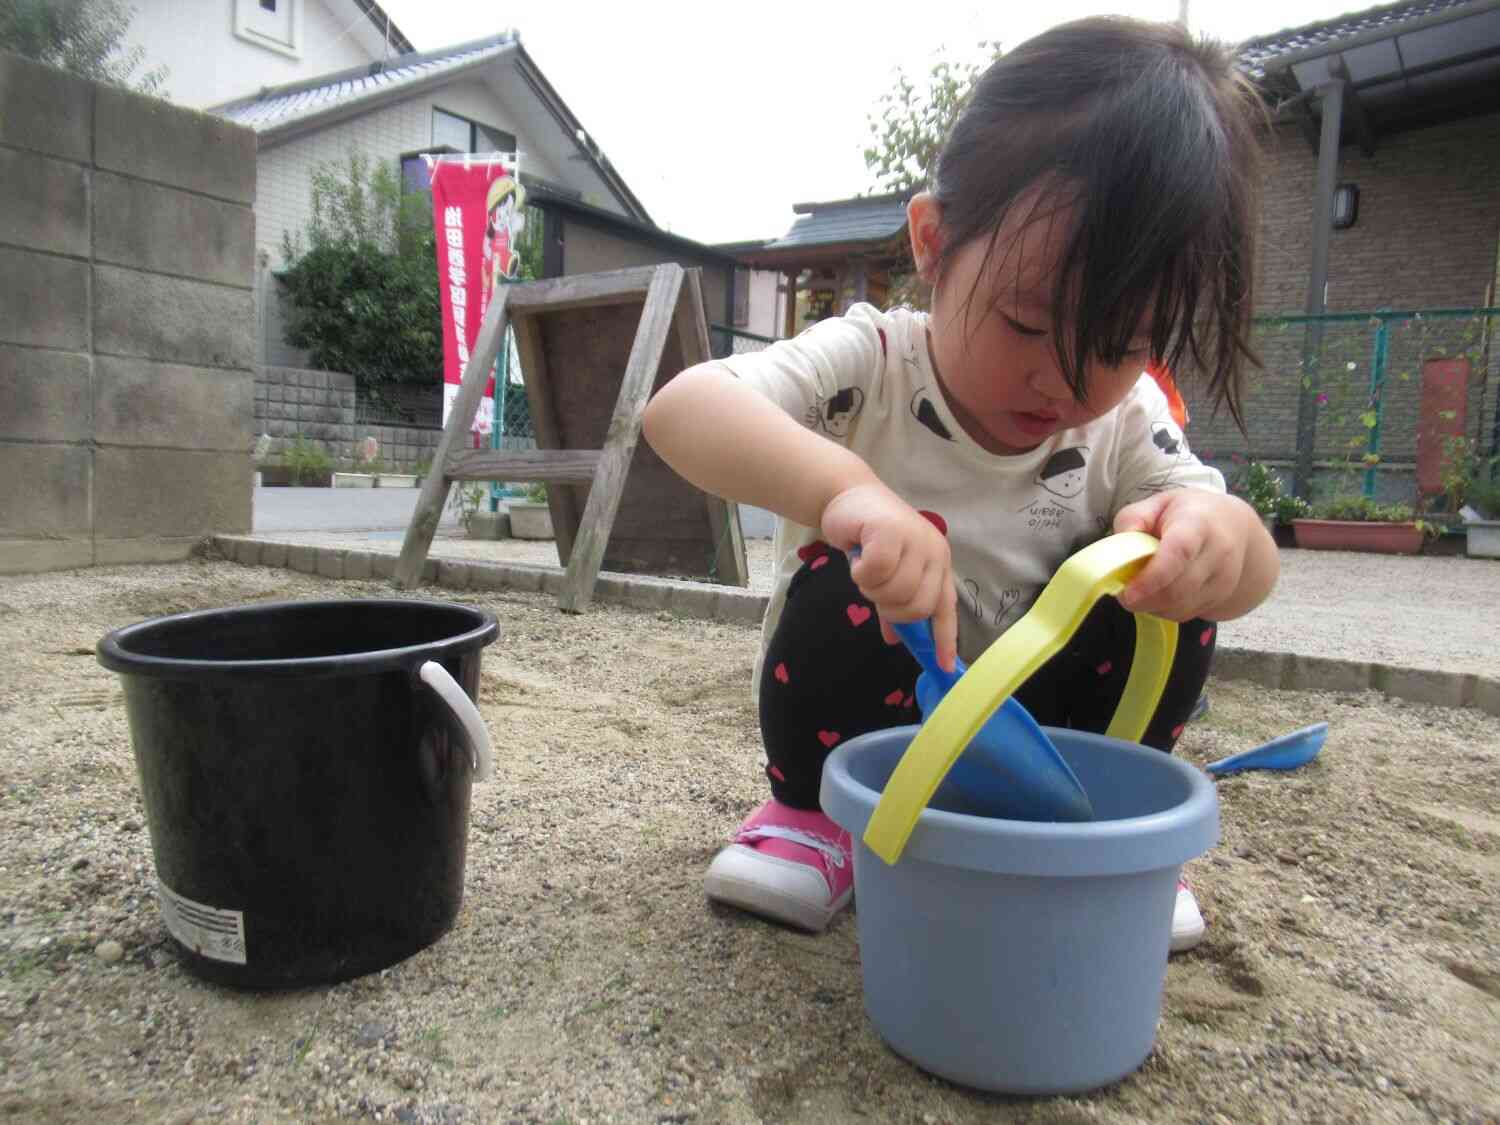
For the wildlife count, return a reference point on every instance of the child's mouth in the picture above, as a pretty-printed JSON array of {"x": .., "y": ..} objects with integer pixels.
[{"x": 1034, "y": 425}]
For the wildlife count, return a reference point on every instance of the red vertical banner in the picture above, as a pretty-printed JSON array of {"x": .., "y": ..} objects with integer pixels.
[{"x": 476, "y": 211}]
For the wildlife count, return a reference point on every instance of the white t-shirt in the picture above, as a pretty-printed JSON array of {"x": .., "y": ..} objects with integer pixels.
[{"x": 865, "y": 380}]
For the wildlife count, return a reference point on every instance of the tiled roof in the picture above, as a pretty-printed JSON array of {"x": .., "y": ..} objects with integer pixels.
[
  {"x": 876, "y": 219},
  {"x": 1255, "y": 53},
  {"x": 279, "y": 105}
]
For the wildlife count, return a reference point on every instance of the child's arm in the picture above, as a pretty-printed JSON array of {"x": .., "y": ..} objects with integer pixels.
[
  {"x": 1216, "y": 559},
  {"x": 730, "y": 440}
]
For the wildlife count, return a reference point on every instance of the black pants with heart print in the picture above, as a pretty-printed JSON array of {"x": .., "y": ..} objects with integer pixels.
[{"x": 829, "y": 676}]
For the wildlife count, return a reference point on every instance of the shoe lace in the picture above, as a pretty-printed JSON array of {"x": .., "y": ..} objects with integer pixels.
[{"x": 828, "y": 848}]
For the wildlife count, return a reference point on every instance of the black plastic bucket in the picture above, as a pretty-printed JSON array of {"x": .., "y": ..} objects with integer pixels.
[{"x": 306, "y": 768}]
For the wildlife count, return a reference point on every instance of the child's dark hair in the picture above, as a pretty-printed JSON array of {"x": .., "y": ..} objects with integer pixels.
[{"x": 1150, "y": 136}]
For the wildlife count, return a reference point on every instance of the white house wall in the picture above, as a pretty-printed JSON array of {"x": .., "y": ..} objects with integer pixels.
[
  {"x": 767, "y": 304},
  {"x": 284, "y": 197},
  {"x": 208, "y": 64}
]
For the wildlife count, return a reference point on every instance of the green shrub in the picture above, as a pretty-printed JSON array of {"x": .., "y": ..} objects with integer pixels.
[
  {"x": 1289, "y": 508},
  {"x": 307, "y": 460},
  {"x": 363, "y": 297},
  {"x": 1484, "y": 498},
  {"x": 1361, "y": 509},
  {"x": 536, "y": 492},
  {"x": 1259, "y": 486}
]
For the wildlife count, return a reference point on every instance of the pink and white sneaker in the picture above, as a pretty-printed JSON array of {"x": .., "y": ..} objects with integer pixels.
[
  {"x": 792, "y": 865},
  {"x": 1187, "y": 920}
]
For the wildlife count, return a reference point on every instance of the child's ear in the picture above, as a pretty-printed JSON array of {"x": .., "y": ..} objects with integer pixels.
[{"x": 924, "y": 223}]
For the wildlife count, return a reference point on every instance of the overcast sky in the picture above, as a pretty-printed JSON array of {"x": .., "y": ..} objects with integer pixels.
[{"x": 721, "y": 116}]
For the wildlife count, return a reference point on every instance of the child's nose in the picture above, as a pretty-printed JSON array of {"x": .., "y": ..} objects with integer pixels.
[{"x": 1046, "y": 379}]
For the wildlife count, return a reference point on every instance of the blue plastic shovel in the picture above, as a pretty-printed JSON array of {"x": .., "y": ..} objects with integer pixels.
[
  {"x": 1010, "y": 769},
  {"x": 1284, "y": 753}
]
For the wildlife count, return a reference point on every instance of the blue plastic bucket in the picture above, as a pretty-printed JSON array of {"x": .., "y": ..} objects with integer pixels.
[{"x": 1019, "y": 956}]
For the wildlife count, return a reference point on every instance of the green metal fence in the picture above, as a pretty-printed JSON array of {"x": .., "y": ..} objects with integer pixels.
[{"x": 1337, "y": 405}]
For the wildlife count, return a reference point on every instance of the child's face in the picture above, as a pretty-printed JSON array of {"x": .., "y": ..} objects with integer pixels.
[{"x": 994, "y": 353}]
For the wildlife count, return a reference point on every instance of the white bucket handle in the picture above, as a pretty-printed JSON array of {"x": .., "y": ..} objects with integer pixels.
[{"x": 435, "y": 676}]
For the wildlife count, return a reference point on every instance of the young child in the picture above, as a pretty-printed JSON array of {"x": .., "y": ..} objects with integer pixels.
[{"x": 1092, "y": 212}]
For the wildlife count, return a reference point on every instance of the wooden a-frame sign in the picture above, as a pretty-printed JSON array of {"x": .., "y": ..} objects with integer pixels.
[{"x": 611, "y": 505}]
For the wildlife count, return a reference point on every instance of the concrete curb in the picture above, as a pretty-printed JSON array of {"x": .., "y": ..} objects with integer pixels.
[{"x": 1281, "y": 670}]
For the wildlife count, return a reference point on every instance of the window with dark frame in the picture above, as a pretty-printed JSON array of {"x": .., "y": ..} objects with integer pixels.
[{"x": 460, "y": 134}]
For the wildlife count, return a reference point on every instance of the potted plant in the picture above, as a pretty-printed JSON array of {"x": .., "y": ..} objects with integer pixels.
[
  {"x": 1483, "y": 525},
  {"x": 1288, "y": 510},
  {"x": 303, "y": 463},
  {"x": 1359, "y": 523},
  {"x": 531, "y": 517},
  {"x": 1260, "y": 487},
  {"x": 1472, "y": 495},
  {"x": 368, "y": 467}
]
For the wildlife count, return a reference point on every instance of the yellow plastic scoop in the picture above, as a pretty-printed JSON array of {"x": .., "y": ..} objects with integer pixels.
[{"x": 1103, "y": 568}]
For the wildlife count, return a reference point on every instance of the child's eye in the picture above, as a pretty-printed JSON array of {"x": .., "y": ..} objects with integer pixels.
[{"x": 1023, "y": 329}]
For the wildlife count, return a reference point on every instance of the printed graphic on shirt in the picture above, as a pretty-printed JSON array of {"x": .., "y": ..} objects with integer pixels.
[
  {"x": 1173, "y": 451},
  {"x": 834, "y": 415},
  {"x": 1167, "y": 438},
  {"x": 1062, "y": 478},
  {"x": 989, "y": 605},
  {"x": 923, "y": 411},
  {"x": 1008, "y": 599},
  {"x": 1063, "y": 473},
  {"x": 968, "y": 596}
]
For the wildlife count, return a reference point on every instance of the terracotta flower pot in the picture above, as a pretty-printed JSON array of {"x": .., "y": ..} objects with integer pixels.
[{"x": 1359, "y": 535}]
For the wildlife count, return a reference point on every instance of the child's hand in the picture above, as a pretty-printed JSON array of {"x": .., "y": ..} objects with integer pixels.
[
  {"x": 904, "y": 565},
  {"x": 1215, "y": 561}
]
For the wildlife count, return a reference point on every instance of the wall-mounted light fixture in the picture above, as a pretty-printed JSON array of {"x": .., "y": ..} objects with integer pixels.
[{"x": 1345, "y": 206}]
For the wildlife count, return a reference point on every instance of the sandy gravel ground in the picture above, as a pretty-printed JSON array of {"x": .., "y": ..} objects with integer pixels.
[{"x": 1351, "y": 972}]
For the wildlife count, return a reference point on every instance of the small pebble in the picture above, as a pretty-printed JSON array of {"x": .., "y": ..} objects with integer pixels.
[
  {"x": 109, "y": 951},
  {"x": 371, "y": 1034}
]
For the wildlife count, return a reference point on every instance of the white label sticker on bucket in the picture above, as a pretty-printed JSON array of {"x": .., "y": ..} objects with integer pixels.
[{"x": 206, "y": 930}]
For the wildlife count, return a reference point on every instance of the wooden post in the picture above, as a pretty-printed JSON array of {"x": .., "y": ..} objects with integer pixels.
[
  {"x": 790, "y": 328},
  {"x": 434, "y": 494},
  {"x": 723, "y": 515}
]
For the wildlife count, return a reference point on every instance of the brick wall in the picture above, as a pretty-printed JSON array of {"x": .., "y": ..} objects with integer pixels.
[
  {"x": 1426, "y": 237},
  {"x": 126, "y": 324}
]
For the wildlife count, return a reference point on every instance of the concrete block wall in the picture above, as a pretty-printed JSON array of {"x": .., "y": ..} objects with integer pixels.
[
  {"x": 320, "y": 406},
  {"x": 126, "y": 325},
  {"x": 1427, "y": 236}
]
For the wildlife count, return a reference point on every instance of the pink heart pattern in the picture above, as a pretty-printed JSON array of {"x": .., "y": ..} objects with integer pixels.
[
  {"x": 858, "y": 614},
  {"x": 829, "y": 738}
]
